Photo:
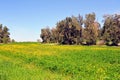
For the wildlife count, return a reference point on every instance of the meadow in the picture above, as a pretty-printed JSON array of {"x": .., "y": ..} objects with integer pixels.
[{"x": 35, "y": 61}]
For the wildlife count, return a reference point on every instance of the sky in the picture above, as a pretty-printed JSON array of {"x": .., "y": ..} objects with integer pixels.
[{"x": 26, "y": 18}]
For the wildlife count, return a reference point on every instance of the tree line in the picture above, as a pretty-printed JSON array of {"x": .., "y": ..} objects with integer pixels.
[
  {"x": 4, "y": 34},
  {"x": 76, "y": 30}
]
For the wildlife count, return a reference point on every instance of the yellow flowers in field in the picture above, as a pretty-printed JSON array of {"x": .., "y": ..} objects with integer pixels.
[
  {"x": 72, "y": 62},
  {"x": 41, "y": 49},
  {"x": 11, "y": 47},
  {"x": 32, "y": 49}
]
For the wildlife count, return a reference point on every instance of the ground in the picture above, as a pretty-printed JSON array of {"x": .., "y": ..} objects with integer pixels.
[{"x": 35, "y": 61}]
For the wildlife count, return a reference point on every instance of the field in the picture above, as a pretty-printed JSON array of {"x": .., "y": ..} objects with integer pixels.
[{"x": 35, "y": 61}]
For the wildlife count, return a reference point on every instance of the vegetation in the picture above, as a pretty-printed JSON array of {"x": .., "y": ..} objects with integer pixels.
[
  {"x": 111, "y": 29},
  {"x": 4, "y": 34},
  {"x": 91, "y": 30},
  {"x": 76, "y": 30},
  {"x": 34, "y": 61}
]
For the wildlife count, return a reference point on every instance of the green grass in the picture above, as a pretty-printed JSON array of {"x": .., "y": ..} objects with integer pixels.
[{"x": 34, "y": 61}]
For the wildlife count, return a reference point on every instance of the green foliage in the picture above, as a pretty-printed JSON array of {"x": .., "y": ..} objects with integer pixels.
[
  {"x": 67, "y": 31},
  {"x": 111, "y": 29},
  {"x": 91, "y": 30},
  {"x": 71, "y": 31},
  {"x": 76, "y": 30},
  {"x": 13, "y": 41},
  {"x": 4, "y": 34},
  {"x": 33, "y": 61}
]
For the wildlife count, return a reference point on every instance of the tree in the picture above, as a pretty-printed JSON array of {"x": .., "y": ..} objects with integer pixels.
[
  {"x": 4, "y": 34},
  {"x": 6, "y": 37},
  {"x": 75, "y": 30},
  {"x": 111, "y": 29},
  {"x": 91, "y": 30},
  {"x": 1, "y": 34},
  {"x": 61, "y": 31},
  {"x": 46, "y": 35},
  {"x": 77, "y": 23},
  {"x": 54, "y": 35},
  {"x": 13, "y": 41},
  {"x": 70, "y": 30}
]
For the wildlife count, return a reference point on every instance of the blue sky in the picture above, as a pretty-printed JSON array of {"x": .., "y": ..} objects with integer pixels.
[{"x": 25, "y": 18}]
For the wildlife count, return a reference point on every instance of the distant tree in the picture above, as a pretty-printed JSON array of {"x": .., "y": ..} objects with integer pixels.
[
  {"x": 13, "y": 41},
  {"x": 4, "y": 34},
  {"x": 77, "y": 22},
  {"x": 6, "y": 37},
  {"x": 75, "y": 30},
  {"x": 111, "y": 29},
  {"x": 54, "y": 35},
  {"x": 70, "y": 30},
  {"x": 46, "y": 35},
  {"x": 61, "y": 31},
  {"x": 91, "y": 30},
  {"x": 1, "y": 33}
]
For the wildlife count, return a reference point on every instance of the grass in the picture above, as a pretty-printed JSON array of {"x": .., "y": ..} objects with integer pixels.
[{"x": 34, "y": 61}]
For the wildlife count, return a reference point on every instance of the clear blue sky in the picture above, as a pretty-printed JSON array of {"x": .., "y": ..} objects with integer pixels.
[{"x": 25, "y": 18}]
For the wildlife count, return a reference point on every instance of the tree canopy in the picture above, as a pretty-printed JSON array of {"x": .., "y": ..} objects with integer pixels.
[
  {"x": 4, "y": 34},
  {"x": 76, "y": 30}
]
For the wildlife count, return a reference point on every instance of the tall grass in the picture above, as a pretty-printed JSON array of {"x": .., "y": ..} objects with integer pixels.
[{"x": 34, "y": 61}]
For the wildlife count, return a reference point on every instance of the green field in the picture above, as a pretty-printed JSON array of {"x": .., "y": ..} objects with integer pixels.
[{"x": 34, "y": 61}]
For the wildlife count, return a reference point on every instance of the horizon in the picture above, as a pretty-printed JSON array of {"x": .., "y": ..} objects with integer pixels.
[{"x": 26, "y": 18}]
